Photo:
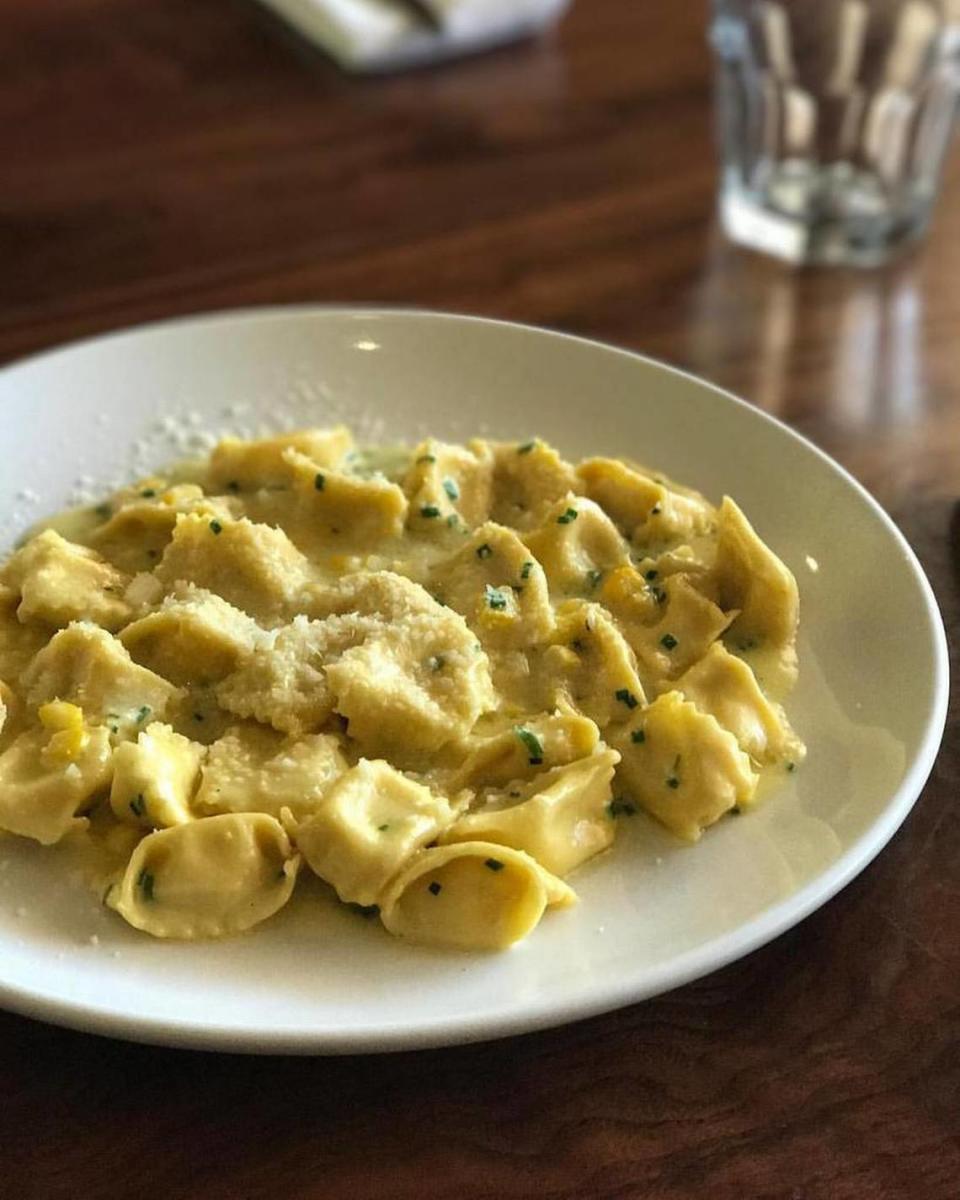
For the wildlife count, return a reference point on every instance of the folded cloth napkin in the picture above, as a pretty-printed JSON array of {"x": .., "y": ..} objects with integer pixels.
[{"x": 377, "y": 35}]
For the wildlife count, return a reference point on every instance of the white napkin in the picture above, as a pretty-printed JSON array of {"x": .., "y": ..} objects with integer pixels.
[{"x": 376, "y": 35}]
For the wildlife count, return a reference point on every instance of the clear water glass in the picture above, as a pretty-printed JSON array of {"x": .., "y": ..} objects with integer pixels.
[{"x": 834, "y": 119}]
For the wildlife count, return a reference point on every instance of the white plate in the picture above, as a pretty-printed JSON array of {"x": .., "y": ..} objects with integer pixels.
[{"x": 871, "y": 702}]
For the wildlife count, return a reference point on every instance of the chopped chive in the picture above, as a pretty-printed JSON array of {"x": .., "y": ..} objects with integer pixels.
[
  {"x": 526, "y": 447},
  {"x": 143, "y": 713},
  {"x": 319, "y": 481},
  {"x": 570, "y": 515},
  {"x": 450, "y": 487},
  {"x": 594, "y": 579},
  {"x": 625, "y": 696},
  {"x": 383, "y": 828},
  {"x": 638, "y": 737},
  {"x": 216, "y": 527},
  {"x": 430, "y": 511},
  {"x": 138, "y": 806},
  {"x": 526, "y": 569},
  {"x": 495, "y": 598},
  {"x": 427, "y": 458},
  {"x": 145, "y": 883},
  {"x": 668, "y": 642},
  {"x": 484, "y": 551},
  {"x": 532, "y": 743},
  {"x": 651, "y": 574},
  {"x": 621, "y": 808},
  {"x": 148, "y": 493},
  {"x": 452, "y": 521},
  {"x": 494, "y": 864},
  {"x": 435, "y": 888}
]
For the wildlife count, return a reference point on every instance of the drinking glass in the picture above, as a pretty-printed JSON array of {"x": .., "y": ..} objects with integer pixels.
[{"x": 834, "y": 118}]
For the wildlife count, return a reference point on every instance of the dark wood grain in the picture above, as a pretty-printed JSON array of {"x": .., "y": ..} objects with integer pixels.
[{"x": 166, "y": 156}]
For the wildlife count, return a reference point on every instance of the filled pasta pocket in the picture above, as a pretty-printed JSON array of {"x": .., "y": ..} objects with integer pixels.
[
  {"x": 471, "y": 896},
  {"x": 208, "y": 879}
]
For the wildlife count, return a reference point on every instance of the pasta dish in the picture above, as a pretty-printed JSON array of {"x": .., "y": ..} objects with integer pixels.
[{"x": 439, "y": 679}]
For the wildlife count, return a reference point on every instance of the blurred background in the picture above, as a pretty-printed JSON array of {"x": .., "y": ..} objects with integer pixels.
[{"x": 162, "y": 157}]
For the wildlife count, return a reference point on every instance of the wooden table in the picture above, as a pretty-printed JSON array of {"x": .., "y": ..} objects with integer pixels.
[{"x": 166, "y": 156}]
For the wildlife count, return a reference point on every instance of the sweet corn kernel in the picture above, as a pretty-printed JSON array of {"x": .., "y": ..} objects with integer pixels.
[
  {"x": 69, "y": 737},
  {"x": 623, "y": 584},
  {"x": 581, "y": 738},
  {"x": 58, "y": 714}
]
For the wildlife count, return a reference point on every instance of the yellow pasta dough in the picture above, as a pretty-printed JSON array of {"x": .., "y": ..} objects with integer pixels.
[{"x": 438, "y": 676}]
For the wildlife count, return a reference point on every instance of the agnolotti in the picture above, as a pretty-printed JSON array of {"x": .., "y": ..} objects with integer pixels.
[
  {"x": 449, "y": 485},
  {"x": 134, "y": 529},
  {"x": 87, "y": 666},
  {"x": 254, "y": 567},
  {"x": 577, "y": 545},
  {"x": 209, "y": 878},
  {"x": 436, "y": 674},
  {"x": 562, "y": 819},
  {"x": 471, "y": 896},
  {"x": 60, "y": 582},
  {"x": 682, "y": 766},
  {"x": 369, "y": 824},
  {"x": 412, "y": 688},
  {"x": 498, "y": 587},
  {"x": 238, "y": 466},
  {"x": 649, "y": 509},
  {"x": 591, "y": 666},
  {"x": 193, "y": 636},
  {"x": 333, "y": 504},
  {"x": 521, "y": 748},
  {"x": 724, "y": 686},
  {"x": 252, "y": 769},
  {"x": 405, "y": 672},
  {"x": 52, "y": 772},
  {"x": 155, "y": 777},
  {"x": 527, "y": 478}
]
